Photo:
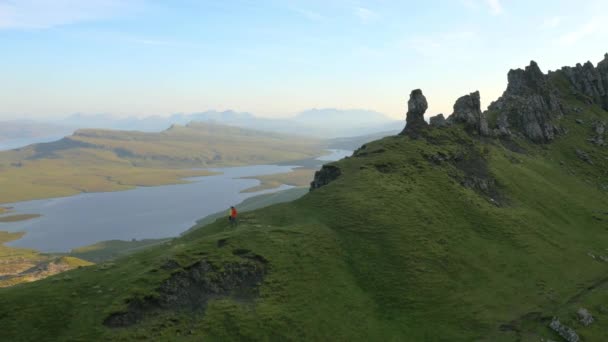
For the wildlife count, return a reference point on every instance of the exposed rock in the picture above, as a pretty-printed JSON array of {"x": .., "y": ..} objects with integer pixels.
[
  {"x": 579, "y": 121},
  {"x": 564, "y": 331},
  {"x": 599, "y": 129},
  {"x": 529, "y": 105},
  {"x": 438, "y": 121},
  {"x": 584, "y": 316},
  {"x": 416, "y": 107},
  {"x": 190, "y": 289},
  {"x": 326, "y": 175},
  {"x": 590, "y": 81},
  {"x": 475, "y": 175},
  {"x": 582, "y": 155},
  {"x": 467, "y": 110},
  {"x": 437, "y": 158}
]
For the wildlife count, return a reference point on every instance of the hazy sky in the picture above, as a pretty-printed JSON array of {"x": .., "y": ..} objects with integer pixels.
[{"x": 277, "y": 57}]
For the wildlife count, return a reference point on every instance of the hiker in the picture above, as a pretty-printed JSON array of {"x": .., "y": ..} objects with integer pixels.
[{"x": 232, "y": 216}]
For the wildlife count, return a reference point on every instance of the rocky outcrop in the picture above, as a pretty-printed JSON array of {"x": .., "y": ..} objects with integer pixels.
[
  {"x": 467, "y": 110},
  {"x": 416, "y": 107},
  {"x": 584, "y": 316},
  {"x": 529, "y": 106},
  {"x": 590, "y": 81},
  {"x": 584, "y": 156},
  {"x": 599, "y": 130},
  {"x": 190, "y": 289},
  {"x": 564, "y": 331},
  {"x": 438, "y": 121},
  {"x": 326, "y": 175}
]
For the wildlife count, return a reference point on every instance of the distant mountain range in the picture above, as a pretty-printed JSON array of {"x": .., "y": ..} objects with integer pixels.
[
  {"x": 326, "y": 123},
  {"x": 321, "y": 123}
]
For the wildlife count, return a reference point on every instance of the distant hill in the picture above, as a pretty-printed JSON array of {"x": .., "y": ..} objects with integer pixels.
[
  {"x": 104, "y": 160},
  {"x": 320, "y": 123}
]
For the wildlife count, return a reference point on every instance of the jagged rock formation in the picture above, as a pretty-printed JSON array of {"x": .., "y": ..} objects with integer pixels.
[
  {"x": 438, "y": 121},
  {"x": 467, "y": 110},
  {"x": 416, "y": 107},
  {"x": 590, "y": 81},
  {"x": 530, "y": 105}
]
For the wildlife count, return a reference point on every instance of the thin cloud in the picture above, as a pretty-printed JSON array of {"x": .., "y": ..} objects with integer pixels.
[
  {"x": 310, "y": 15},
  {"x": 44, "y": 14},
  {"x": 470, "y": 4},
  {"x": 594, "y": 26},
  {"x": 365, "y": 14},
  {"x": 495, "y": 6},
  {"x": 551, "y": 23},
  {"x": 443, "y": 44}
]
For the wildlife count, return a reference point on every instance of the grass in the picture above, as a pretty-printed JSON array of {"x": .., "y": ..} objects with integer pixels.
[
  {"x": 104, "y": 160},
  {"x": 18, "y": 218},
  {"x": 300, "y": 177},
  {"x": 111, "y": 249},
  {"x": 394, "y": 249},
  {"x": 253, "y": 203}
]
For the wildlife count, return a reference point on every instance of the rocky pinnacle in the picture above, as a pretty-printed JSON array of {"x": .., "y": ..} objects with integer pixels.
[{"x": 416, "y": 107}]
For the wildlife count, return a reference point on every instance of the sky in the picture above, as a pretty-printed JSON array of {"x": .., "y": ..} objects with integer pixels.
[{"x": 275, "y": 58}]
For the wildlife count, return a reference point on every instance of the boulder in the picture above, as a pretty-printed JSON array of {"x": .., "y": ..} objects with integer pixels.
[
  {"x": 584, "y": 316},
  {"x": 416, "y": 107},
  {"x": 438, "y": 121}
]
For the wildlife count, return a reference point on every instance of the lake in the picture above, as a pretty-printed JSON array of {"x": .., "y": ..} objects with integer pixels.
[{"x": 144, "y": 212}]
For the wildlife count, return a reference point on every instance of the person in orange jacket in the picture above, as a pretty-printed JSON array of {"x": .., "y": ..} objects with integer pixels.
[{"x": 232, "y": 213}]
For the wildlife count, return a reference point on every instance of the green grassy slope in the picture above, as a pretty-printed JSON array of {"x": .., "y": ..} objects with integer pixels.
[
  {"x": 394, "y": 249},
  {"x": 447, "y": 237}
]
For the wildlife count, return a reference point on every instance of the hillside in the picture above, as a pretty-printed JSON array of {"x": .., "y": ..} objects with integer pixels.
[
  {"x": 20, "y": 265},
  {"x": 105, "y": 160},
  {"x": 484, "y": 226}
]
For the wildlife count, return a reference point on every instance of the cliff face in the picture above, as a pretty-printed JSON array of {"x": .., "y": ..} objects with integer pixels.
[
  {"x": 530, "y": 105},
  {"x": 590, "y": 81},
  {"x": 467, "y": 110}
]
